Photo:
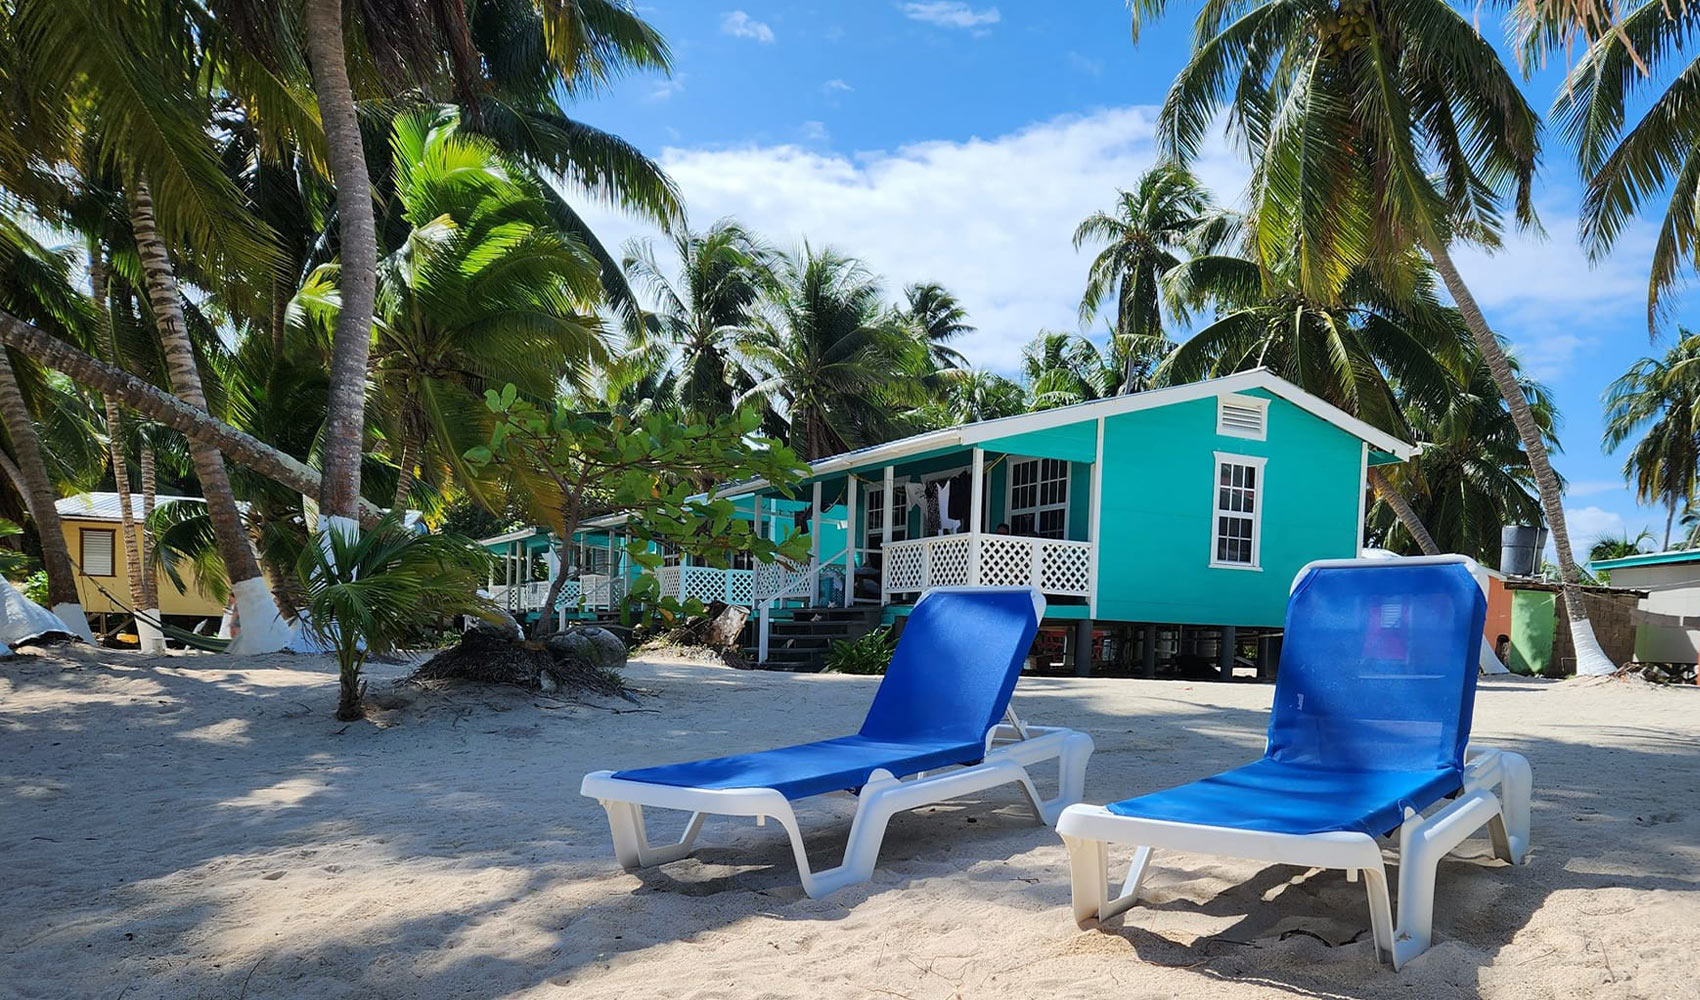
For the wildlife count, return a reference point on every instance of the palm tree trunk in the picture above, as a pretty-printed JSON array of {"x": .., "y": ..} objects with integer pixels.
[
  {"x": 42, "y": 502},
  {"x": 152, "y": 639},
  {"x": 345, "y": 417},
  {"x": 404, "y": 475},
  {"x": 150, "y": 401},
  {"x": 263, "y": 630},
  {"x": 115, "y": 427},
  {"x": 1670, "y": 518},
  {"x": 150, "y": 498},
  {"x": 1403, "y": 510},
  {"x": 1590, "y": 658}
]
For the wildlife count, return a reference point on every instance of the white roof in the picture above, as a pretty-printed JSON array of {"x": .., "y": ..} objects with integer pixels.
[
  {"x": 969, "y": 435},
  {"x": 104, "y": 506}
]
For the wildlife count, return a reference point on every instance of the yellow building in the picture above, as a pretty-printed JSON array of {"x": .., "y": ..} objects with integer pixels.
[{"x": 91, "y": 524}]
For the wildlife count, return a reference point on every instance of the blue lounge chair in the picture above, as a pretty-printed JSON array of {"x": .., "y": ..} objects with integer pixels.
[
  {"x": 1368, "y": 730},
  {"x": 936, "y": 717}
]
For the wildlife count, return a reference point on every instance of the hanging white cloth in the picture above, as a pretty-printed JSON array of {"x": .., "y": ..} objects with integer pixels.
[
  {"x": 914, "y": 494},
  {"x": 947, "y": 525}
]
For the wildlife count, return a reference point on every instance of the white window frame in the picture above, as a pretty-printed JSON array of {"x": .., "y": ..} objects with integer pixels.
[
  {"x": 84, "y": 559},
  {"x": 1259, "y": 498},
  {"x": 1010, "y": 510},
  {"x": 899, "y": 515},
  {"x": 1252, "y": 402}
]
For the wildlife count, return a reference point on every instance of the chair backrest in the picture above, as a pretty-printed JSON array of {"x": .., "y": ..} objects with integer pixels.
[
  {"x": 1378, "y": 665},
  {"x": 956, "y": 665}
]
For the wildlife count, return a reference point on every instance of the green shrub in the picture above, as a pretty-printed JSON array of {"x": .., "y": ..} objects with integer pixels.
[{"x": 866, "y": 654}]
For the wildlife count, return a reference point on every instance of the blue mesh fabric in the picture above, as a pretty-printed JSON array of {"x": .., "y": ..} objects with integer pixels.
[
  {"x": 1378, "y": 668},
  {"x": 1372, "y": 707},
  {"x": 955, "y": 667},
  {"x": 949, "y": 682}
]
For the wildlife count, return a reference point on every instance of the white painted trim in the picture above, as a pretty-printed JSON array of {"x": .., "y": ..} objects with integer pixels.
[
  {"x": 851, "y": 544},
  {"x": 1095, "y": 517},
  {"x": 1258, "y": 378},
  {"x": 1067, "y": 505},
  {"x": 1363, "y": 502},
  {"x": 1062, "y": 416},
  {"x": 1259, "y": 403},
  {"x": 1260, "y": 494},
  {"x": 815, "y": 526}
]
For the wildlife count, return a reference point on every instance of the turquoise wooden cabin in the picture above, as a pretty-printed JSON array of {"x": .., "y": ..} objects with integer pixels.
[{"x": 1163, "y": 527}]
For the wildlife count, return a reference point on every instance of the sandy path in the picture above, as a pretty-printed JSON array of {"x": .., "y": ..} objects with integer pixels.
[{"x": 195, "y": 827}]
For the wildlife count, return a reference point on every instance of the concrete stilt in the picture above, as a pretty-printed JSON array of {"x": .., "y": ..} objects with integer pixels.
[
  {"x": 1226, "y": 659},
  {"x": 1083, "y": 648}
]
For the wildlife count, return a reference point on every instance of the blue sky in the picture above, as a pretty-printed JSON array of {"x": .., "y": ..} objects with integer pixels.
[{"x": 961, "y": 142}]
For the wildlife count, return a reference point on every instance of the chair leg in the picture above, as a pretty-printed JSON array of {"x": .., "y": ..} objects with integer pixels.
[
  {"x": 1381, "y": 911},
  {"x": 1071, "y": 777},
  {"x": 631, "y": 840},
  {"x": 874, "y": 808},
  {"x": 1089, "y": 877},
  {"x": 1423, "y": 842},
  {"x": 1510, "y": 829}
]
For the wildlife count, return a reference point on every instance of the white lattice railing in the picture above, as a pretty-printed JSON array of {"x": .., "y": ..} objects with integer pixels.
[
  {"x": 1054, "y": 566},
  {"x": 707, "y": 584}
]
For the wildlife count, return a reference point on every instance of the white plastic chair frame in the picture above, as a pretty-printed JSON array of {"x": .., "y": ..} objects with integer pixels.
[
  {"x": 1008, "y": 755},
  {"x": 1423, "y": 841},
  {"x": 1399, "y": 936}
]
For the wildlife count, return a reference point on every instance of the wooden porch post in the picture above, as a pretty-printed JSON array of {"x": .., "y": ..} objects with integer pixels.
[
  {"x": 976, "y": 514},
  {"x": 1096, "y": 516},
  {"x": 890, "y": 508},
  {"x": 814, "y": 528},
  {"x": 850, "y": 538}
]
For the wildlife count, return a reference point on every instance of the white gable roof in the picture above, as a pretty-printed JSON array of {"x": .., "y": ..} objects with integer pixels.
[
  {"x": 104, "y": 506},
  {"x": 969, "y": 435}
]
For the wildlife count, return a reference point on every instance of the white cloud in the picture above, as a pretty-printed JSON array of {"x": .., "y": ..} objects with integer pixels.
[
  {"x": 1086, "y": 64},
  {"x": 951, "y": 14},
  {"x": 836, "y": 87},
  {"x": 1592, "y": 487},
  {"x": 1590, "y": 524},
  {"x": 991, "y": 219},
  {"x": 665, "y": 89},
  {"x": 815, "y": 131},
  {"x": 1550, "y": 300},
  {"x": 741, "y": 25}
]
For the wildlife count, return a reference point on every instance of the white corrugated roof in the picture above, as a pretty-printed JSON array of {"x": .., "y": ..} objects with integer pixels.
[{"x": 104, "y": 506}]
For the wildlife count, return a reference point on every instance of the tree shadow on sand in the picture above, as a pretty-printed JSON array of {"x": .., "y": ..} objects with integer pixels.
[{"x": 539, "y": 910}]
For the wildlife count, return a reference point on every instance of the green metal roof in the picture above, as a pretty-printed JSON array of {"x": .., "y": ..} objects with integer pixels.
[{"x": 1650, "y": 559}]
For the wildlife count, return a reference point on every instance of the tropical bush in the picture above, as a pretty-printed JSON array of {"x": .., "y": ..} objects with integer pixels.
[
  {"x": 865, "y": 654},
  {"x": 382, "y": 589}
]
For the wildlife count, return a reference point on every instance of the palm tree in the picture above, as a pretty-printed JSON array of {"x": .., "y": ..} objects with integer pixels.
[
  {"x": 826, "y": 344},
  {"x": 1372, "y": 127},
  {"x": 1471, "y": 477},
  {"x": 935, "y": 318},
  {"x": 1659, "y": 399},
  {"x": 35, "y": 282},
  {"x": 482, "y": 293},
  {"x": 1351, "y": 352},
  {"x": 345, "y": 409},
  {"x": 263, "y": 630},
  {"x": 1061, "y": 369},
  {"x": 1624, "y": 164},
  {"x": 1167, "y": 214},
  {"x": 970, "y": 395},
  {"x": 705, "y": 314},
  {"x": 374, "y": 591}
]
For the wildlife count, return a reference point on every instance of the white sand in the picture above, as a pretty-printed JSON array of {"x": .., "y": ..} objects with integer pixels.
[{"x": 199, "y": 827}]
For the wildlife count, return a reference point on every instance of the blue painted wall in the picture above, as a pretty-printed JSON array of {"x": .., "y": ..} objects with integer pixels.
[{"x": 1158, "y": 493}]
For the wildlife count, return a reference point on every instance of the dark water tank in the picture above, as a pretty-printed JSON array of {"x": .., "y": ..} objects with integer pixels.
[{"x": 1520, "y": 548}]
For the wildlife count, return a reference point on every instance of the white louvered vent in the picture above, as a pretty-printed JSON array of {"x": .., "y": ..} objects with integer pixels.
[{"x": 1242, "y": 417}]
